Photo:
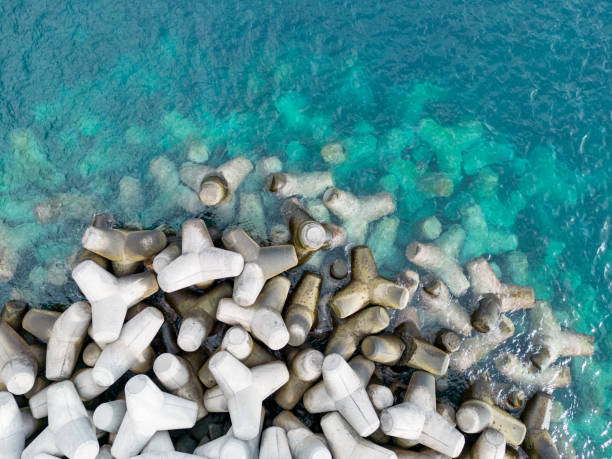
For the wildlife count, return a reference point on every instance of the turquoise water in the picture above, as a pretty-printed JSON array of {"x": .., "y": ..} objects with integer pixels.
[{"x": 510, "y": 101}]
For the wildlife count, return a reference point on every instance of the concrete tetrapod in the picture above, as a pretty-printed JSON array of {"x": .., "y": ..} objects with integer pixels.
[
  {"x": 417, "y": 419},
  {"x": 263, "y": 319},
  {"x": 69, "y": 422},
  {"x": 110, "y": 297},
  {"x": 66, "y": 340},
  {"x": 245, "y": 389},
  {"x": 274, "y": 444},
  {"x": 349, "y": 395},
  {"x": 199, "y": 261},
  {"x": 367, "y": 287},
  {"x": 346, "y": 443},
  {"x": 12, "y": 428},
  {"x": 198, "y": 313},
  {"x": 149, "y": 410},
  {"x": 18, "y": 367},
  {"x": 260, "y": 264},
  {"x": 119, "y": 356},
  {"x": 231, "y": 447}
]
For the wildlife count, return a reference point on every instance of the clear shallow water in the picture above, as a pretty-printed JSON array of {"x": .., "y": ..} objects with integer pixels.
[{"x": 93, "y": 91}]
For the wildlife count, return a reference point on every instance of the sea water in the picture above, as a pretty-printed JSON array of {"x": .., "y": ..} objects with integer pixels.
[{"x": 509, "y": 103}]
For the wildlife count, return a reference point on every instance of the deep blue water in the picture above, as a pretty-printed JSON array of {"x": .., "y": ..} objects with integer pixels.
[{"x": 97, "y": 89}]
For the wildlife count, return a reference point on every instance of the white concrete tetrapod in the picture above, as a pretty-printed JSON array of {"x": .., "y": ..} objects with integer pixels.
[
  {"x": 245, "y": 389},
  {"x": 43, "y": 443},
  {"x": 108, "y": 416},
  {"x": 306, "y": 445},
  {"x": 317, "y": 399},
  {"x": 230, "y": 447},
  {"x": 119, "y": 356},
  {"x": 346, "y": 443},
  {"x": 238, "y": 342},
  {"x": 167, "y": 455},
  {"x": 260, "y": 264},
  {"x": 200, "y": 261},
  {"x": 74, "y": 433},
  {"x": 18, "y": 366},
  {"x": 149, "y": 410},
  {"x": 110, "y": 297},
  {"x": 263, "y": 319},
  {"x": 349, "y": 395},
  {"x": 66, "y": 341},
  {"x": 274, "y": 444},
  {"x": 160, "y": 442},
  {"x": 474, "y": 416},
  {"x": 12, "y": 429},
  {"x": 416, "y": 419}
]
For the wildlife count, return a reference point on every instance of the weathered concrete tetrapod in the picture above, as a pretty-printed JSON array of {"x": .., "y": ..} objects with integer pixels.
[
  {"x": 198, "y": 313},
  {"x": 306, "y": 185},
  {"x": 349, "y": 395},
  {"x": 221, "y": 183},
  {"x": 301, "y": 311},
  {"x": 486, "y": 317},
  {"x": 356, "y": 212},
  {"x": 149, "y": 410},
  {"x": 346, "y": 443},
  {"x": 69, "y": 422},
  {"x": 123, "y": 247},
  {"x": 553, "y": 341},
  {"x": 526, "y": 374},
  {"x": 13, "y": 313},
  {"x": 110, "y": 297},
  {"x": 245, "y": 389},
  {"x": 12, "y": 429},
  {"x": 307, "y": 234},
  {"x": 231, "y": 447},
  {"x": 483, "y": 280},
  {"x": 366, "y": 287},
  {"x": 39, "y": 323},
  {"x": 263, "y": 319},
  {"x": 475, "y": 348},
  {"x": 200, "y": 261},
  {"x": 474, "y": 416},
  {"x": 260, "y": 264},
  {"x": 66, "y": 340},
  {"x": 119, "y": 356},
  {"x": 536, "y": 416},
  {"x": 438, "y": 307},
  {"x": 178, "y": 376},
  {"x": 346, "y": 337},
  {"x": 402, "y": 348},
  {"x": 304, "y": 370},
  {"x": 418, "y": 420},
  {"x": 317, "y": 399},
  {"x": 436, "y": 261},
  {"x": 18, "y": 367},
  {"x": 491, "y": 444},
  {"x": 274, "y": 444}
]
